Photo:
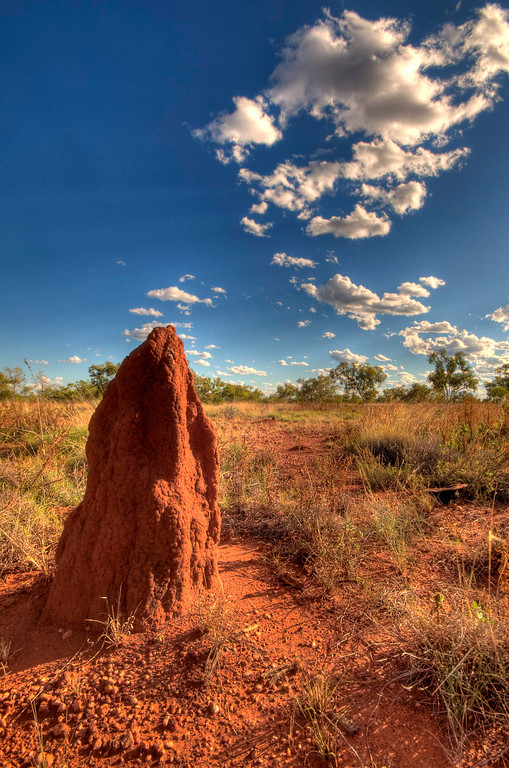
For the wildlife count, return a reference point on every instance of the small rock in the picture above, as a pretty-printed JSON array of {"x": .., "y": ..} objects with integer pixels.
[
  {"x": 213, "y": 708},
  {"x": 127, "y": 741},
  {"x": 45, "y": 759},
  {"x": 168, "y": 723},
  {"x": 60, "y": 730},
  {"x": 158, "y": 748}
]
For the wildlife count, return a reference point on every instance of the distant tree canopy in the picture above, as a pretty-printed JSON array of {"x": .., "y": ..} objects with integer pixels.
[
  {"x": 214, "y": 390},
  {"x": 12, "y": 382},
  {"x": 453, "y": 376},
  {"x": 5, "y": 391},
  {"x": 415, "y": 393},
  {"x": 451, "y": 379},
  {"x": 358, "y": 380},
  {"x": 101, "y": 375},
  {"x": 498, "y": 389}
]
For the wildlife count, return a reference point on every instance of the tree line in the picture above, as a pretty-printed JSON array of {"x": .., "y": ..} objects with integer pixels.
[{"x": 451, "y": 379}]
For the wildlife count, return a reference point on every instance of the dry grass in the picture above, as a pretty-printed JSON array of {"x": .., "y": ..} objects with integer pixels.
[
  {"x": 42, "y": 471},
  {"x": 460, "y": 651},
  {"x": 326, "y": 719},
  {"x": 215, "y": 618},
  {"x": 424, "y": 445}
]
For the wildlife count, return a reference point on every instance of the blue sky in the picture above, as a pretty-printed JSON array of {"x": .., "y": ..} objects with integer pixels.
[{"x": 290, "y": 186}]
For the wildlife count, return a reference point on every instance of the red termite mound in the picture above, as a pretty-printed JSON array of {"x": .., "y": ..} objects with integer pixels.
[{"x": 144, "y": 536}]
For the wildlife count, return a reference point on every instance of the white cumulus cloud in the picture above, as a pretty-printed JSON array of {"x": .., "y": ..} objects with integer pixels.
[
  {"x": 501, "y": 315},
  {"x": 195, "y": 353},
  {"x": 247, "y": 125},
  {"x": 245, "y": 370},
  {"x": 357, "y": 225},
  {"x": 172, "y": 293},
  {"x": 328, "y": 335},
  {"x": 384, "y": 159},
  {"x": 74, "y": 359},
  {"x": 402, "y": 198},
  {"x": 148, "y": 312},
  {"x": 423, "y": 338},
  {"x": 365, "y": 76},
  {"x": 254, "y": 227},
  {"x": 282, "y": 260},
  {"x": 432, "y": 282},
  {"x": 400, "y": 98},
  {"x": 362, "y": 304},
  {"x": 347, "y": 356}
]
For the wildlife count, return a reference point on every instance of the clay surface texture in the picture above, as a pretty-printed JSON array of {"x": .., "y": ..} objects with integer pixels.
[{"x": 144, "y": 538}]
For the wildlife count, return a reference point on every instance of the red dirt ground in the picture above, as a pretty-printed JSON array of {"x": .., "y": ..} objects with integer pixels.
[{"x": 66, "y": 700}]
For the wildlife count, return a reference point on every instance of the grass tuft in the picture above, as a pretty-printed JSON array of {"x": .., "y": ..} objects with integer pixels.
[{"x": 461, "y": 652}]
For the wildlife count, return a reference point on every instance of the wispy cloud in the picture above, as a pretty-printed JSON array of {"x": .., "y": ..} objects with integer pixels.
[
  {"x": 148, "y": 312},
  {"x": 501, "y": 315},
  {"x": 74, "y": 359},
  {"x": 195, "y": 353},
  {"x": 255, "y": 228},
  {"x": 245, "y": 370},
  {"x": 173, "y": 293},
  {"x": 282, "y": 260}
]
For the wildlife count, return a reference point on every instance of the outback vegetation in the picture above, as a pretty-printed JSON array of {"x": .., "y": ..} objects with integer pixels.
[
  {"x": 452, "y": 379},
  {"x": 364, "y": 614}
]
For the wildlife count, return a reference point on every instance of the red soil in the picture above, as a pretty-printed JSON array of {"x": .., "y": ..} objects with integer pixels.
[
  {"x": 154, "y": 699},
  {"x": 149, "y": 701}
]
